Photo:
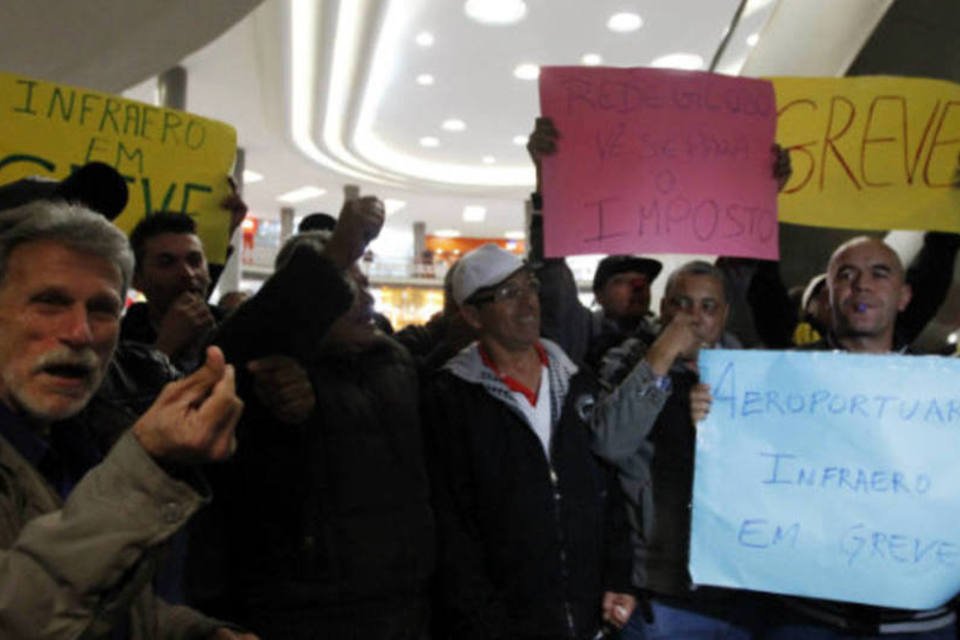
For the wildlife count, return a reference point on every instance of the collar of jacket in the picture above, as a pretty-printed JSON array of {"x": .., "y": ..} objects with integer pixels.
[
  {"x": 468, "y": 366},
  {"x": 830, "y": 342}
]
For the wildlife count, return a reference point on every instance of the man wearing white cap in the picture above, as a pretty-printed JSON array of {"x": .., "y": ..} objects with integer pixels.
[{"x": 533, "y": 540}]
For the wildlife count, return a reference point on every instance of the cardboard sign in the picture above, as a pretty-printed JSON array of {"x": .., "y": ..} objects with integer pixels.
[
  {"x": 172, "y": 160},
  {"x": 870, "y": 152},
  {"x": 659, "y": 161},
  {"x": 829, "y": 475}
]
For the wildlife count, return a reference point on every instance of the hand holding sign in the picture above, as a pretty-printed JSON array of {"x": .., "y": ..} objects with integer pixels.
[
  {"x": 700, "y": 399},
  {"x": 542, "y": 142}
]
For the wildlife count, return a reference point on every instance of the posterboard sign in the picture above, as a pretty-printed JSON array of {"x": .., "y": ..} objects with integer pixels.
[
  {"x": 172, "y": 160},
  {"x": 870, "y": 152},
  {"x": 829, "y": 475},
  {"x": 659, "y": 161}
]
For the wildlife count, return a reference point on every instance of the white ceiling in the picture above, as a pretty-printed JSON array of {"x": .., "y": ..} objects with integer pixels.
[
  {"x": 245, "y": 77},
  {"x": 323, "y": 92}
]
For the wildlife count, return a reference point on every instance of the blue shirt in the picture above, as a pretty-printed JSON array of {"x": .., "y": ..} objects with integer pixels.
[{"x": 62, "y": 459}]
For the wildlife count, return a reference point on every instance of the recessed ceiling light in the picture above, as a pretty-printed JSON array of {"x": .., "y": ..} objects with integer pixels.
[
  {"x": 429, "y": 141},
  {"x": 520, "y": 141},
  {"x": 527, "y": 71},
  {"x": 301, "y": 194},
  {"x": 624, "y": 22},
  {"x": 591, "y": 59},
  {"x": 488, "y": 159},
  {"x": 392, "y": 205},
  {"x": 474, "y": 213},
  {"x": 425, "y": 79},
  {"x": 753, "y": 39},
  {"x": 251, "y": 176},
  {"x": 496, "y": 11},
  {"x": 514, "y": 235},
  {"x": 454, "y": 124},
  {"x": 688, "y": 61},
  {"x": 424, "y": 39},
  {"x": 446, "y": 233},
  {"x": 755, "y": 6}
]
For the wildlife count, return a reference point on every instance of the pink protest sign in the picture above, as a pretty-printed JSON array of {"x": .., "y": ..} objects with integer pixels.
[{"x": 659, "y": 161}]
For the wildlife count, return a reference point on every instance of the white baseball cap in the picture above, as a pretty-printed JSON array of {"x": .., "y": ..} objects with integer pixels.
[{"x": 483, "y": 267}]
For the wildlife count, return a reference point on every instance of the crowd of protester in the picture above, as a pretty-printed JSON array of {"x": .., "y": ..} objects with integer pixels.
[{"x": 519, "y": 468}]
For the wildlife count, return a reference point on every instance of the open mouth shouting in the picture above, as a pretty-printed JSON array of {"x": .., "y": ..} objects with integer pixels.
[{"x": 71, "y": 373}]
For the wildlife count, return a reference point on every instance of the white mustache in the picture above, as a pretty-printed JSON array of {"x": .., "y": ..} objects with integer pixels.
[{"x": 85, "y": 358}]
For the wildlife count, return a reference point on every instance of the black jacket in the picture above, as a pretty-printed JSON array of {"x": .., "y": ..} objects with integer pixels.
[
  {"x": 526, "y": 547},
  {"x": 320, "y": 526}
]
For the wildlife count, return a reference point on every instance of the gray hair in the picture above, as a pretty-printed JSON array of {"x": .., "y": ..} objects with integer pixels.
[
  {"x": 72, "y": 225},
  {"x": 698, "y": 268},
  {"x": 316, "y": 240}
]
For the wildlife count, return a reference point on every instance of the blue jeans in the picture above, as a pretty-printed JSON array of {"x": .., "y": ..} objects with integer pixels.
[
  {"x": 814, "y": 632},
  {"x": 675, "y": 623}
]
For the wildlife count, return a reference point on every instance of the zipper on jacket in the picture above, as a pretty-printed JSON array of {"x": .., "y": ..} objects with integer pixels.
[{"x": 564, "y": 571}]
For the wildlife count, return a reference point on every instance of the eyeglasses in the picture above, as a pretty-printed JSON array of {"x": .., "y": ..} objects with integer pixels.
[{"x": 510, "y": 291}]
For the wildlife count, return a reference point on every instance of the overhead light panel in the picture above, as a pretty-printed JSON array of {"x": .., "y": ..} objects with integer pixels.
[
  {"x": 301, "y": 194},
  {"x": 753, "y": 39},
  {"x": 527, "y": 71},
  {"x": 687, "y": 61},
  {"x": 755, "y": 6},
  {"x": 498, "y": 12},
  {"x": 514, "y": 235},
  {"x": 474, "y": 213},
  {"x": 520, "y": 141},
  {"x": 392, "y": 205},
  {"x": 249, "y": 177},
  {"x": 453, "y": 124},
  {"x": 424, "y": 39},
  {"x": 429, "y": 141},
  {"x": 446, "y": 233},
  {"x": 591, "y": 59},
  {"x": 488, "y": 160},
  {"x": 425, "y": 79},
  {"x": 624, "y": 22}
]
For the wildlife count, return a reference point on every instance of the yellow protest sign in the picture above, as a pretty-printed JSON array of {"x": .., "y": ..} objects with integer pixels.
[
  {"x": 870, "y": 152},
  {"x": 171, "y": 160}
]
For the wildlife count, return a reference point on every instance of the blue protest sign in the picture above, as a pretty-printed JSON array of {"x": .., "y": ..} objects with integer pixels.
[{"x": 829, "y": 475}]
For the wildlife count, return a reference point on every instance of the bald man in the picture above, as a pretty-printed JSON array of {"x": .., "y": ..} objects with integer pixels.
[{"x": 868, "y": 289}]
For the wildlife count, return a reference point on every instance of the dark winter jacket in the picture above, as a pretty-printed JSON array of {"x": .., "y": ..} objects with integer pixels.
[
  {"x": 325, "y": 524},
  {"x": 528, "y": 544}
]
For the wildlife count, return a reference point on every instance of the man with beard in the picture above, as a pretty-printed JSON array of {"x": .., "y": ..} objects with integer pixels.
[
  {"x": 326, "y": 530},
  {"x": 867, "y": 291},
  {"x": 80, "y": 531},
  {"x": 172, "y": 273}
]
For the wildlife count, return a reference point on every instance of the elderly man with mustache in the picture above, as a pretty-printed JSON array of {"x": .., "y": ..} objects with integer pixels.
[{"x": 80, "y": 532}]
